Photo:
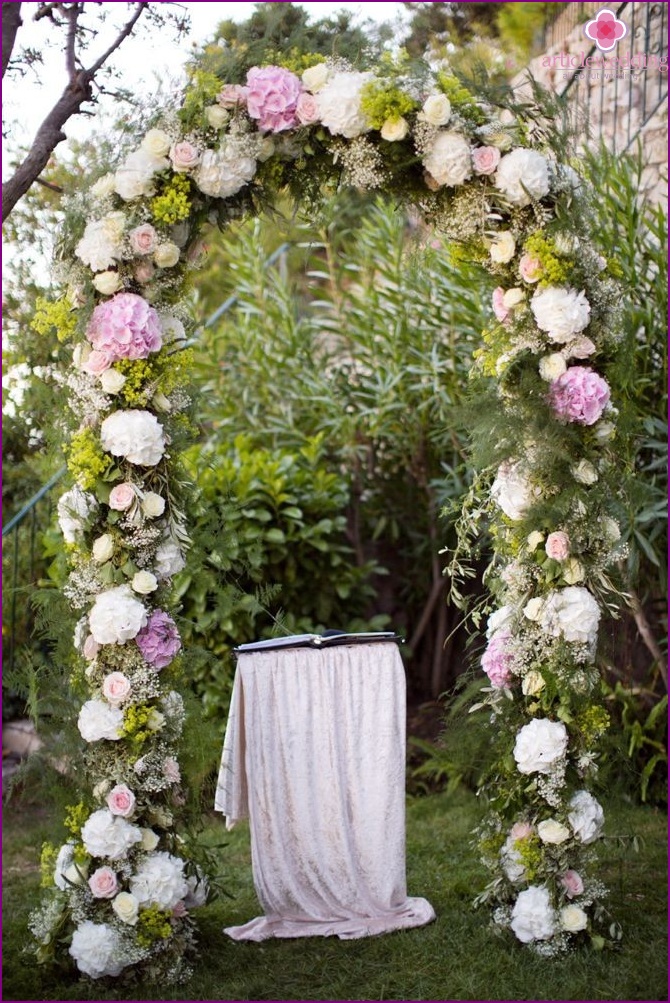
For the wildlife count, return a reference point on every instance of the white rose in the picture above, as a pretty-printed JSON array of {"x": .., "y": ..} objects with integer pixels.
[
  {"x": 107, "y": 283},
  {"x": 584, "y": 472},
  {"x": 75, "y": 507},
  {"x": 166, "y": 255},
  {"x": 216, "y": 116},
  {"x": 98, "y": 720},
  {"x": 511, "y": 491},
  {"x": 551, "y": 831},
  {"x": 159, "y": 880},
  {"x": 533, "y": 609},
  {"x": 156, "y": 143},
  {"x": 97, "y": 950},
  {"x": 153, "y": 505},
  {"x": 573, "y": 614},
  {"x": 540, "y": 745},
  {"x": 436, "y": 109},
  {"x": 502, "y": 248},
  {"x": 156, "y": 720},
  {"x": 522, "y": 176},
  {"x": 552, "y": 366},
  {"x": 135, "y": 435},
  {"x": 533, "y": 917},
  {"x": 394, "y": 129},
  {"x": 573, "y": 919},
  {"x": 144, "y": 583},
  {"x": 127, "y": 908},
  {"x": 562, "y": 313},
  {"x": 586, "y": 817},
  {"x": 169, "y": 560},
  {"x": 150, "y": 840},
  {"x": 314, "y": 78},
  {"x": 107, "y": 835},
  {"x": 103, "y": 548},
  {"x": 605, "y": 430},
  {"x": 534, "y": 540},
  {"x": 339, "y": 104},
  {"x": 448, "y": 160},
  {"x": 572, "y": 571},
  {"x": 532, "y": 683},
  {"x": 112, "y": 381},
  {"x": 117, "y": 616},
  {"x": 499, "y": 619},
  {"x": 103, "y": 187},
  {"x": 513, "y": 297}
]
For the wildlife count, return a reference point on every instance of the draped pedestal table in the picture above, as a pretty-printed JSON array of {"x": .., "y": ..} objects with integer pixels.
[{"x": 314, "y": 756}]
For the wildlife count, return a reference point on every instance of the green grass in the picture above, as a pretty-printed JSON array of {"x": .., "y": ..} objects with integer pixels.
[{"x": 456, "y": 958}]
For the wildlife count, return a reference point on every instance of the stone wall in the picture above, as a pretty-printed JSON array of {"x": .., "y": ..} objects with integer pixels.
[{"x": 621, "y": 103}]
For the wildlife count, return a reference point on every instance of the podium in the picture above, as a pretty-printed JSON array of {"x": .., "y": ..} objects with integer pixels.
[{"x": 314, "y": 756}]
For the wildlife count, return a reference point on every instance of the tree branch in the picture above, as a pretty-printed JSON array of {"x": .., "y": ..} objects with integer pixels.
[
  {"x": 72, "y": 14},
  {"x": 647, "y": 636},
  {"x": 11, "y": 22},
  {"x": 125, "y": 31}
]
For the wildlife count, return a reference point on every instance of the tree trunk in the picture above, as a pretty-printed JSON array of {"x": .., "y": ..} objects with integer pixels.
[{"x": 11, "y": 22}]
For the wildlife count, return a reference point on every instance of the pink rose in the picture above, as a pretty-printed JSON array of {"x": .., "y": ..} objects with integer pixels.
[
  {"x": 91, "y": 648},
  {"x": 103, "y": 883},
  {"x": 121, "y": 801},
  {"x": 530, "y": 269},
  {"x": 272, "y": 97},
  {"x": 572, "y": 883},
  {"x": 116, "y": 688},
  {"x": 122, "y": 497},
  {"x": 485, "y": 159},
  {"x": 581, "y": 348},
  {"x": 557, "y": 546},
  {"x": 171, "y": 770},
  {"x": 499, "y": 308},
  {"x": 144, "y": 272},
  {"x": 180, "y": 910},
  {"x": 521, "y": 830},
  {"x": 97, "y": 363},
  {"x": 143, "y": 239},
  {"x": 579, "y": 395},
  {"x": 233, "y": 95},
  {"x": 307, "y": 109},
  {"x": 184, "y": 156}
]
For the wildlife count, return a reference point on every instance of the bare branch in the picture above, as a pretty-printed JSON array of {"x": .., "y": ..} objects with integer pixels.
[
  {"x": 72, "y": 14},
  {"x": 50, "y": 185},
  {"x": 11, "y": 22},
  {"x": 125, "y": 31}
]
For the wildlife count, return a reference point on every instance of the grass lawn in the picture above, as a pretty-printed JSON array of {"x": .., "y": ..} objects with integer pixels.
[{"x": 456, "y": 958}]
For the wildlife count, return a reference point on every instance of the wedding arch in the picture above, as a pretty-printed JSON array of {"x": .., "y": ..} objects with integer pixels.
[{"x": 123, "y": 886}]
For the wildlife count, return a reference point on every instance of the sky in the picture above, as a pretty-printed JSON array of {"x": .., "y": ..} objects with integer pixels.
[{"x": 141, "y": 60}]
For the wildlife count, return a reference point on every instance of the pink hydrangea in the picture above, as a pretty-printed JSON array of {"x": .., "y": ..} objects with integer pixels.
[
  {"x": 496, "y": 660},
  {"x": 125, "y": 327},
  {"x": 159, "y": 641},
  {"x": 272, "y": 97},
  {"x": 579, "y": 395}
]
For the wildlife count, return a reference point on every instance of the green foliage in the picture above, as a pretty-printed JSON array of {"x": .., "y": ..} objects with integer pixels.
[{"x": 643, "y": 722}]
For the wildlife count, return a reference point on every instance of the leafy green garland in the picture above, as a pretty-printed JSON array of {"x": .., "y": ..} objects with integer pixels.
[{"x": 123, "y": 884}]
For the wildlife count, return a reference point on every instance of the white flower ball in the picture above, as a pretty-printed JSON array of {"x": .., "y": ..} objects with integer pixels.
[
  {"x": 169, "y": 560},
  {"x": 159, "y": 880},
  {"x": 573, "y": 614},
  {"x": 540, "y": 745},
  {"x": 339, "y": 104},
  {"x": 573, "y": 919},
  {"x": 522, "y": 176},
  {"x": 74, "y": 509},
  {"x": 96, "y": 949},
  {"x": 562, "y": 313},
  {"x": 511, "y": 491},
  {"x": 533, "y": 917},
  {"x": 98, "y": 719},
  {"x": 135, "y": 435},
  {"x": 586, "y": 816},
  {"x": 107, "y": 835},
  {"x": 448, "y": 160},
  {"x": 117, "y": 616}
]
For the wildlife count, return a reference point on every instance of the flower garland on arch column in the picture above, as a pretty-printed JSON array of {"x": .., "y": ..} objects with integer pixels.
[{"x": 123, "y": 887}]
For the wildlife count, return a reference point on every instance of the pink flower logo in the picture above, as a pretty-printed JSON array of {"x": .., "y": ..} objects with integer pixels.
[{"x": 605, "y": 30}]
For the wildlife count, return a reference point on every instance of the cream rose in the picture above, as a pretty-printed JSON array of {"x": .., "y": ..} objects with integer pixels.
[
  {"x": 153, "y": 505},
  {"x": 144, "y": 582},
  {"x": 166, "y": 255},
  {"x": 533, "y": 609},
  {"x": 552, "y": 366},
  {"x": 315, "y": 77},
  {"x": 216, "y": 116},
  {"x": 107, "y": 283},
  {"x": 534, "y": 540},
  {"x": 150, "y": 840},
  {"x": 156, "y": 143},
  {"x": 394, "y": 129},
  {"x": 156, "y": 720},
  {"x": 436, "y": 109},
  {"x": 551, "y": 831},
  {"x": 127, "y": 908},
  {"x": 502, "y": 248},
  {"x": 103, "y": 549},
  {"x": 513, "y": 297},
  {"x": 532, "y": 683},
  {"x": 584, "y": 472},
  {"x": 112, "y": 381},
  {"x": 573, "y": 919}
]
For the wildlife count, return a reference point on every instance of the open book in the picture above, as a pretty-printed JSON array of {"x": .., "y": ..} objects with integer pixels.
[{"x": 318, "y": 640}]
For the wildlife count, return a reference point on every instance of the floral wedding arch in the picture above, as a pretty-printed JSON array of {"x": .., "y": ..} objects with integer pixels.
[{"x": 123, "y": 887}]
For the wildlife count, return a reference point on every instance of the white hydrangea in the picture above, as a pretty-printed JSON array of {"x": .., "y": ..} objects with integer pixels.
[
  {"x": 586, "y": 816},
  {"x": 135, "y": 177},
  {"x": 562, "y": 313},
  {"x": 135, "y": 435},
  {"x": 107, "y": 835},
  {"x": 223, "y": 172},
  {"x": 448, "y": 160},
  {"x": 339, "y": 104},
  {"x": 499, "y": 619},
  {"x": 159, "y": 880},
  {"x": 511, "y": 491},
  {"x": 96, "y": 948},
  {"x": 533, "y": 917},
  {"x": 98, "y": 719},
  {"x": 117, "y": 616},
  {"x": 522, "y": 176},
  {"x": 511, "y": 860},
  {"x": 571, "y": 613},
  {"x": 74, "y": 509},
  {"x": 169, "y": 560},
  {"x": 102, "y": 243},
  {"x": 540, "y": 745}
]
